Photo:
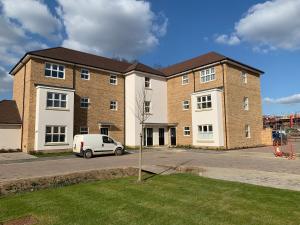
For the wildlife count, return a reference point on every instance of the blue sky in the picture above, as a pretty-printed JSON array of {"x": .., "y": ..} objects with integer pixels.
[{"x": 263, "y": 34}]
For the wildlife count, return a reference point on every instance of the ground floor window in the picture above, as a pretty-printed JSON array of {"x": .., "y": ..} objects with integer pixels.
[
  {"x": 104, "y": 130},
  {"x": 55, "y": 134},
  {"x": 84, "y": 130},
  {"x": 186, "y": 131},
  {"x": 205, "y": 132}
]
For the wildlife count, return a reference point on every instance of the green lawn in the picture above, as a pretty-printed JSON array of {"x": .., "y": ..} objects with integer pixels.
[
  {"x": 161, "y": 200},
  {"x": 53, "y": 154}
]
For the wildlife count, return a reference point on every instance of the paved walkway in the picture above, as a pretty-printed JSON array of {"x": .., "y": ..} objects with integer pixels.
[{"x": 255, "y": 166}]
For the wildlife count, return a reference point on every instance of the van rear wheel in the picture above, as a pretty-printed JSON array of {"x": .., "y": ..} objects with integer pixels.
[
  {"x": 119, "y": 151},
  {"x": 88, "y": 154}
]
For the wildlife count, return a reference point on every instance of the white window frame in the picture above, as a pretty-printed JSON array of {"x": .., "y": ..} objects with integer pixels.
[
  {"x": 247, "y": 131},
  {"x": 83, "y": 130},
  {"x": 52, "y": 134},
  {"x": 82, "y": 101},
  {"x": 186, "y": 131},
  {"x": 147, "y": 82},
  {"x": 246, "y": 103},
  {"x": 203, "y": 101},
  {"x": 114, "y": 104},
  {"x": 147, "y": 106},
  {"x": 205, "y": 135},
  {"x": 185, "y": 79},
  {"x": 244, "y": 77},
  {"x": 186, "y": 105},
  {"x": 54, "y": 99},
  {"x": 207, "y": 75},
  {"x": 113, "y": 79},
  {"x": 59, "y": 69},
  {"x": 84, "y": 74}
]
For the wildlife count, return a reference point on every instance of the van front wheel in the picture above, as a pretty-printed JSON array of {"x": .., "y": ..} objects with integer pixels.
[
  {"x": 119, "y": 151},
  {"x": 88, "y": 154}
]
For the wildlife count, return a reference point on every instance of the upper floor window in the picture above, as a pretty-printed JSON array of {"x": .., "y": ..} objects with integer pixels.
[
  {"x": 113, "y": 80},
  {"x": 205, "y": 132},
  {"x": 55, "y": 134},
  {"x": 244, "y": 77},
  {"x": 246, "y": 103},
  {"x": 147, "y": 82},
  {"x": 54, "y": 70},
  {"x": 207, "y": 75},
  {"x": 84, "y": 102},
  {"x": 185, "y": 79},
  {"x": 113, "y": 105},
  {"x": 186, "y": 104},
  {"x": 147, "y": 106},
  {"x": 56, "y": 100},
  {"x": 204, "y": 102},
  {"x": 247, "y": 131},
  {"x": 84, "y": 130},
  {"x": 186, "y": 131},
  {"x": 85, "y": 74}
]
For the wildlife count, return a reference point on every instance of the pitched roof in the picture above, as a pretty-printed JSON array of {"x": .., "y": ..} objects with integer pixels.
[
  {"x": 143, "y": 68},
  {"x": 202, "y": 60},
  {"x": 9, "y": 113}
]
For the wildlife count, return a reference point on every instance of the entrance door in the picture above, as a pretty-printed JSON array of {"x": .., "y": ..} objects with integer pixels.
[
  {"x": 161, "y": 136},
  {"x": 148, "y": 137},
  {"x": 104, "y": 130},
  {"x": 173, "y": 135}
]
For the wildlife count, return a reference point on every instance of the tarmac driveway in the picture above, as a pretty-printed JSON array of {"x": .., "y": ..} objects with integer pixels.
[{"x": 255, "y": 166}]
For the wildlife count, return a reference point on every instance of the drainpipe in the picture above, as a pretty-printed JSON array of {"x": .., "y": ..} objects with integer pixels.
[
  {"x": 224, "y": 102},
  {"x": 23, "y": 105},
  {"x": 124, "y": 111},
  {"x": 194, "y": 80}
]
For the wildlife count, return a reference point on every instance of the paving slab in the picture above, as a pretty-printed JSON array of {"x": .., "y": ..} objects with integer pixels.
[{"x": 15, "y": 156}]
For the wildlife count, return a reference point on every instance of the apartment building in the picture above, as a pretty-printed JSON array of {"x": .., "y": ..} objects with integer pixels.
[{"x": 207, "y": 101}]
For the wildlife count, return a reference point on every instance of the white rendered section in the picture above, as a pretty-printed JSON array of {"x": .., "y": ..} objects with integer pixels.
[
  {"x": 10, "y": 136},
  {"x": 157, "y": 94},
  {"x": 213, "y": 116},
  {"x": 53, "y": 117}
]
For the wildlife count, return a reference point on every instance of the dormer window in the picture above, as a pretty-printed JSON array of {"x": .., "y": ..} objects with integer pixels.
[{"x": 54, "y": 71}]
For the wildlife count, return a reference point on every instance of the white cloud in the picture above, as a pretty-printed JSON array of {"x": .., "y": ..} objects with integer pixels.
[
  {"x": 230, "y": 40},
  {"x": 270, "y": 25},
  {"x": 5, "y": 80},
  {"x": 293, "y": 99},
  {"x": 34, "y": 16},
  {"x": 124, "y": 28}
]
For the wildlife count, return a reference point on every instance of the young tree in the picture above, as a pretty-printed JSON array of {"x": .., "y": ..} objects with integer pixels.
[{"x": 142, "y": 114}]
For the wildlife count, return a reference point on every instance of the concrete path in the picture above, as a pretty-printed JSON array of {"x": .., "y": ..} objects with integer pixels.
[
  {"x": 15, "y": 156},
  {"x": 255, "y": 166}
]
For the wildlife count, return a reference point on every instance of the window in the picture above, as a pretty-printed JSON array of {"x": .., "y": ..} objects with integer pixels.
[
  {"x": 104, "y": 130},
  {"x": 107, "y": 140},
  {"x": 186, "y": 131},
  {"x": 84, "y": 102},
  {"x": 147, "y": 82},
  {"x": 244, "y": 77},
  {"x": 205, "y": 132},
  {"x": 55, "y": 134},
  {"x": 113, "y": 80},
  {"x": 246, "y": 103},
  {"x": 147, "y": 106},
  {"x": 247, "y": 131},
  {"x": 56, "y": 100},
  {"x": 85, "y": 74},
  {"x": 54, "y": 70},
  {"x": 113, "y": 105},
  {"x": 207, "y": 75},
  {"x": 204, "y": 102},
  {"x": 185, "y": 79},
  {"x": 84, "y": 130},
  {"x": 186, "y": 104}
]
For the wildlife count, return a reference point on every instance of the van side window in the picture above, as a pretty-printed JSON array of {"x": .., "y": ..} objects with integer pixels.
[{"x": 107, "y": 139}]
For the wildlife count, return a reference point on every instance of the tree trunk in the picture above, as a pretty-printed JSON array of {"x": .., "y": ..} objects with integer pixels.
[{"x": 140, "y": 158}]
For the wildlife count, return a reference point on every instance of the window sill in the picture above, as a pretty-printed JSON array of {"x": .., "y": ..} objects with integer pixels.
[
  {"x": 57, "y": 144},
  {"x": 148, "y": 88},
  {"x": 55, "y": 77},
  {"x": 184, "y": 84},
  {"x": 185, "y": 109},
  {"x": 57, "y": 109},
  {"x": 113, "y": 84},
  {"x": 201, "y": 110},
  {"x": 205, "y": 141}
]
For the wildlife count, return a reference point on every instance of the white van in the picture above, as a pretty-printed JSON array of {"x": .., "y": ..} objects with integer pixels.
[{"x": 88, "y": 145}]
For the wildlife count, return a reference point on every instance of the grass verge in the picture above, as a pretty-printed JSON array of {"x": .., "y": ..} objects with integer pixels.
[{"x": 175, "y": 199}]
